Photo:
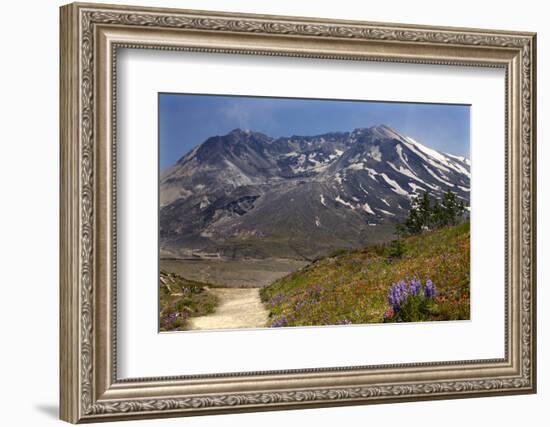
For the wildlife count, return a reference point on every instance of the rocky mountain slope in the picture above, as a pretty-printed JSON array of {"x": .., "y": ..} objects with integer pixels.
[{"x": 245, "y": 194}]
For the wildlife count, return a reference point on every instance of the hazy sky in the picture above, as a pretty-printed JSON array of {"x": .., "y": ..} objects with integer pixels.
[{"x": 188, "y": 120}]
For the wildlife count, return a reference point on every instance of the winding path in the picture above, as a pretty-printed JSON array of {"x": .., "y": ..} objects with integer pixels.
[{"x": 238, "y": 308}]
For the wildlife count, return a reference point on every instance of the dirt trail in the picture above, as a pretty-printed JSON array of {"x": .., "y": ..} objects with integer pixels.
[{"x": 238, "y": 308}]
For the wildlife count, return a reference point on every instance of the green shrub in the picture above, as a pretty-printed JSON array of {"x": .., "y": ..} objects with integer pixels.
[
  {"x": 396, "y": 249},
  {"x": 417, "y": 309},
  {"x": 338, "y": 252}
]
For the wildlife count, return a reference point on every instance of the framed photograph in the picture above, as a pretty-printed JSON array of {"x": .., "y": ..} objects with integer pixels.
[{"x": 266, "y": 212}]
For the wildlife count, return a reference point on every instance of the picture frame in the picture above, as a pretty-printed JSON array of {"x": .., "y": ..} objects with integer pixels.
[{"x": 91, "y": 36}]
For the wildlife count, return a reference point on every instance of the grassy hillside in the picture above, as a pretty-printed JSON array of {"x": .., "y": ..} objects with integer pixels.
[
  {"x": 352, "y": 286},
  {"x": 181, "y": 299}
]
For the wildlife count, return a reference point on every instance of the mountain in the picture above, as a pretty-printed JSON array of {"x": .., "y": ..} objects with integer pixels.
[{"x": 245, "y": 194}]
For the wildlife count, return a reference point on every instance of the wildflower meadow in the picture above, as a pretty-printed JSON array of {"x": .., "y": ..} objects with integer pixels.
[{"x": 428, "y": 281}]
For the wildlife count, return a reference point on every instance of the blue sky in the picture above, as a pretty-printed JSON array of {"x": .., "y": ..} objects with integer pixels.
[{"x": 188, "y": 120}]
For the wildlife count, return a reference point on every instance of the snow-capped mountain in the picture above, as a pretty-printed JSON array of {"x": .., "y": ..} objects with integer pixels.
[{"x": 246, "y": 194}]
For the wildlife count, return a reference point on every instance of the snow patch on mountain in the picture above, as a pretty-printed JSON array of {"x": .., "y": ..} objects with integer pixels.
[
  {"x": 386, "y": 212},
  {"x": 432, "y": 173},
  {"x": 291, "y": 154},
  {"x": 443, "y": 159},
  {"x": 409, "y": 171},
  {"x": 356, "y": 166},
  {"x": 372, "y": 173},
  {"x": 402, "y": 170},
  {"x": 343, "y": 202},
  {"x": 375, "y": 153},
  {"x": 204, "y": 203},
  {"x": 415, "y": 187},
  {"x": 416, "y": 148},
  {"x": 460, "y": 158},
  {"x": 367, "y": 208},
  {"x": 394, "y": 185},
  {"x": 402, "y": 156}
]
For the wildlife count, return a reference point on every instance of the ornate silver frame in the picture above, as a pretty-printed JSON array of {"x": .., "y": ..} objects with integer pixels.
[{"x": 90, "y": 36}]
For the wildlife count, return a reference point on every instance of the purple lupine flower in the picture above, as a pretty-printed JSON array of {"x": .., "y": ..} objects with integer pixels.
[
  {"x": 415, "y": 287},
  {"x": 397, "y": 294},
  {"x": 343, "y": 321},
  {"x": 430, "y": 291},
  {"x": 170, "y": 318},
  {"x": 276, "y": 300},
  {"x": 393, "y": 296},
  {"x": 280, "y": 322},
  {"x": 299, "y": 305}
]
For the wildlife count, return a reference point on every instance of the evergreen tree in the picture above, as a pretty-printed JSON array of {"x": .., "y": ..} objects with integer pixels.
[
  {"x": 413, "y": 223},
  {"x": 400, "y": 231},
  {"x": 397, "y": 247},
  {"x": 437, "y": 217},
  {"x": 461, "y": 209},
  {"x": 426, "y": 214},
  {"x": 424, "y": 211},
  {"x": 451, "y": 208}
]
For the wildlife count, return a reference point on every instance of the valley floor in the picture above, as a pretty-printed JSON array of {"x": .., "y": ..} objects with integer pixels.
[
  {"x": 237, "y": 308},
  {"x": 241, "y": 273}
]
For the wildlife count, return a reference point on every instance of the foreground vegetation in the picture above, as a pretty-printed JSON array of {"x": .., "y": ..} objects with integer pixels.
[
  {"x": 430, "y": 272},
  {"x": 181, "y": 299}
]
